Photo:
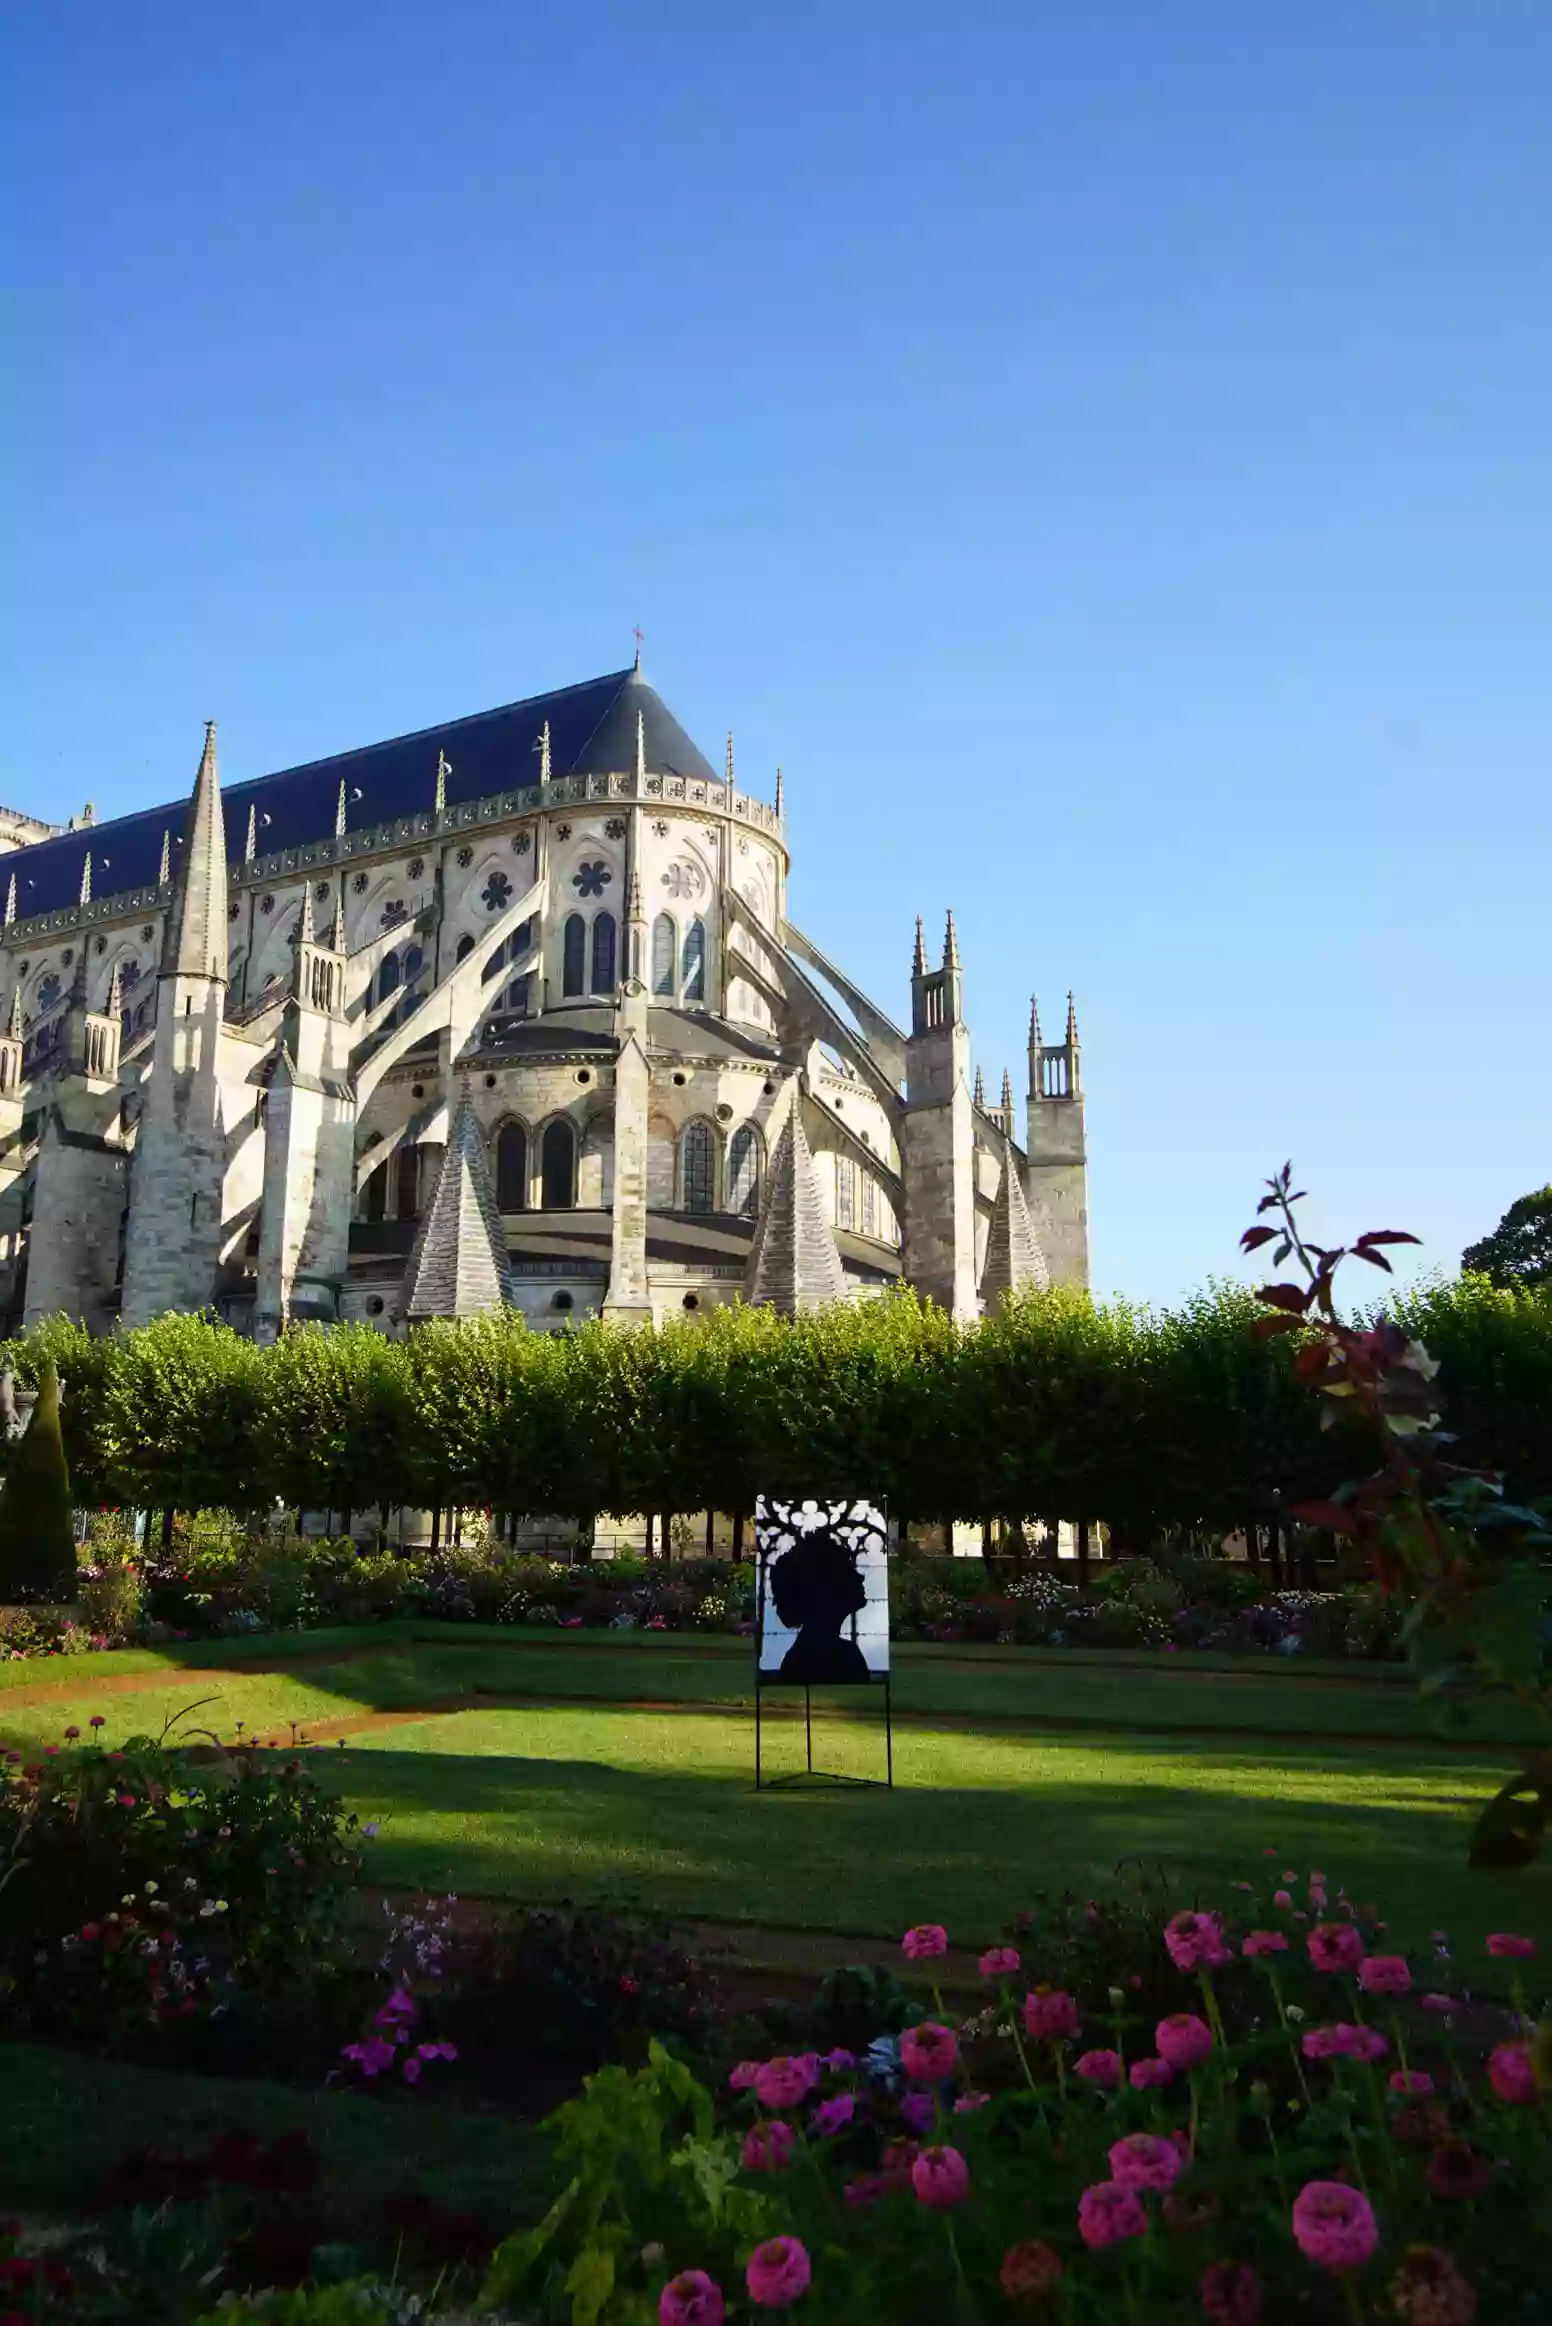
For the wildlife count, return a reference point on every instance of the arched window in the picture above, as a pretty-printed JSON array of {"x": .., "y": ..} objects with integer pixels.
[
  {"x": 407, "y": 1183},
  {"x": 387, "y": 976},
  {"x": 743, "y": 1195},
  {"x": 845, "y": 1192},
  {"x": 573, "y": 954},
  {"x": 695, "y": 961},
  {"x": 665, "y": 945},
  {"x": 697, "y": 1160},
  {"x": 374, "y": 1200},
  {"x": 464, "y": 949},
  {"x": 512, "y": 1168},
  {"x": 869, "y": 1204},
  {"x": 558, "y": 1165},
  {"x": 603, "y": 953},
  {"x": 414, "y": 963}
]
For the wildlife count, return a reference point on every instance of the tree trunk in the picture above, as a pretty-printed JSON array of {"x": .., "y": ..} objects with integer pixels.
[
  {"x": 738, "y": 1536},
  {"x": 710, "y": 1537},
  {"x": 436, "y": 1527},
  {"x": 647, "y": 1545},
  {"x": 1083, "y": 1554}
]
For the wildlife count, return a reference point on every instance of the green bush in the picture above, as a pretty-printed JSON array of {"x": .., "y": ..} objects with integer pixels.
[{"x": 37, "y": 1519}]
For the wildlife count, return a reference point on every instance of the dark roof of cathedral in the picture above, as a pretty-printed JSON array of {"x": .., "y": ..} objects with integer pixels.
[{"x": 592, "y": 732}]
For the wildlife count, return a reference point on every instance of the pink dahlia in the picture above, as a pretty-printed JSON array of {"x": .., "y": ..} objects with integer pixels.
[
  {"x": 1196, "y": 1942},
  {"x": 1049, "y": 2014},
  {"x": 1183, "y": 2039},
  {"x": 1415, "y": 2082},
  {"x": 1147, "y": 2074},
  {"x": 1143, "y": 2161},
  {"x": 1281, "y": 1898},
  {"x": 1384, "y": 1974},
  {"x": 927, "y": 1938},
  {"x": 1100, "y": 2067},
  {"x": 781, "y": 2083},
  {"x": 999, "y": 1962},
  {"x": 691, "y": 2299},
  {"x": 745, "y": 2076},
  {"x": 833, "y": 2116},
  {"x": 768, "y": 2147},
  {"x": 941, "y": 2178},
  {"x": 778, "y": 2272},
  {"x": 1107, "y": 2213},
  {"x": 1335, "y": 1946},
  {"x": 1505, "y": 1942},
  {"x": 1263, "y": 1942},
  {"x": 1511, "y": 2074},
  {"x": 929, "y": 2052},
  {"x": 1334, "y": 2225}
]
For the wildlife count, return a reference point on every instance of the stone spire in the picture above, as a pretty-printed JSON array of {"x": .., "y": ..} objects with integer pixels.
[
  {"x": 251, "y": 843},
  {"x": 194, "y": 940},
  {"x": 339, "y": 812},
  {"x": 1072, "y": 1023},
  {"x": 459, "y": 1266},
  {"x": 337, "y": 934},
  {"x": 728, "y": 772},
  {"x": 306, "y": 928},
  {"x": 641, "y": 751},
  {"x": 542, "y": 746},
  {"x": 781, "y": 802},
  {"x": 14, "y": 1025},
  {"x": 979, "y": 1093},
  {"x": 794, "y": 1263},
  {"x": 10, "y": 902},
  {"x": 164, "y": 869},
  {"x": 113, "y": 1007},
  {"x": 919, "y": 957},
  {"x": 1035, "y": 1036},
  {"x": 444, "y": 770},
  {"x": 1007, "y": 1101},
  {"x": 86, "y": 879},
  {"x": 951, "y": 945},
  {"x": 1014, "y": 1262}
]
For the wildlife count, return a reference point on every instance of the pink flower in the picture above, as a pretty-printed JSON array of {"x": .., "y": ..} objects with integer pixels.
[
  {"x": 999, "y": 1962},
  {"x": 941, "y": 2178},
  {"x": 1263, "y": 1942},
  {"x": 745, "y": 2076},
  {"x": 72, "y": 1733},
  {"x": 1105, "y": 2068},
  {"x": 1334, "y": 2225},
  {"x": 832, "y": 2116},
  {"x": 969, "y": 2102},
  {"x": 1344, "y": 2041},
  {"x": 690, "y": 2299},
  {"x": 778, "y": 2271},
  {"x": 768, "y": 2147},
  {"x": 1049, "y": 2014},
  {"x": 867, "y": 2189},
  {"x": 1230, "y": 2294},
  {"x": 781, "y": 2083},
  {"x": 1416, "y": 2081},
  {"x": 125, "y": 1800},
  {"x": 1511, "y": 2074},
  {"x": 1143, "y": 2161},
  {"x": 1441, "y": 2002},
  {"x": 98, "y": 1720},
  {"x": 839, "y": 2060},
  {"x": 1148, "y": 2073},
  {"x": 919, "y": 2111},
  {"x": 1029, "y": 2271},
  {"x": 1183, "y": 2039},
  {"x": 927, "y": 1938},
  {"x": 1195, "y": 1942},
  {"x": 1107, "y": 2213},
  {"x": 1317, "y": 1896},
  {"x": 1504, "y": 1942},
  {"x": 1334, "y": 1946},
  {"x": 412, "y": 2070},
  {"x": 1281, "y": 1898},
  {"x": 1384, "y": 1974},
  {"x": 929, "y": 2052}
]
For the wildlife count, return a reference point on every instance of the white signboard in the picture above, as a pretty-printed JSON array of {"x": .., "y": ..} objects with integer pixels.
[{"x": 822, "y": 1583}]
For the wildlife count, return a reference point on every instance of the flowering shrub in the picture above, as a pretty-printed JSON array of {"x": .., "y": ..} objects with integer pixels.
[
  {"x": 1296, "y": 2134},
  {"x": 579, "y": 1984}
]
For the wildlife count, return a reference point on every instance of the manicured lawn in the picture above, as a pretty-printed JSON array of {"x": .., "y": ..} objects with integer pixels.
[{"x": 513, "y": 1784}]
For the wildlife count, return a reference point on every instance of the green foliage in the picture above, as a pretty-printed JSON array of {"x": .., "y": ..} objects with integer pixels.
[
  {"x": 1518, "y": 1253},
  {"x": 181, "y": 1406},
  {"x": 37, "y": 1533}
]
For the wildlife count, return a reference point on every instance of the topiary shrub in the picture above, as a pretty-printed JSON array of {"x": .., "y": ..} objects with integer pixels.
[{"x": 37, "y": 1532}]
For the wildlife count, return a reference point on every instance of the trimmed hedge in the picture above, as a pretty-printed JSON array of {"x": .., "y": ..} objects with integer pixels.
[{"x": 1176, "y": 1426}]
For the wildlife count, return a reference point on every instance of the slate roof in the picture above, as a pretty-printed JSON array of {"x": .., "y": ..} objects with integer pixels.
[
  {"x": 459, "y": 1264},
  {"x": 592, "y": 732}
]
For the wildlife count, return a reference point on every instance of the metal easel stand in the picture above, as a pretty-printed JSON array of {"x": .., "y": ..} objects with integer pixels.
[{"x": 809, "y": 1775}]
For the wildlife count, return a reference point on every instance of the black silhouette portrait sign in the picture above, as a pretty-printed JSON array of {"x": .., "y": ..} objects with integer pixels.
[{"x": 822, "y": 1581}]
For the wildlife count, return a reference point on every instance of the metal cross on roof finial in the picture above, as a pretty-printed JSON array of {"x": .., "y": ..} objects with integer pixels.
[{"x": 639, "y": 635}]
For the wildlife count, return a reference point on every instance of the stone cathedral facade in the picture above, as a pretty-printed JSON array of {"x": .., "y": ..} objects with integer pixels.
[{"x": 513, "y": 1009}]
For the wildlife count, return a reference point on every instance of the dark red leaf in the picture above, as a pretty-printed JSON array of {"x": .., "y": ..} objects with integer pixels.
[
  {"x": 1310, "y": 1363},
  {"x": 1254, "y": 1238},
  {"x": 1292, "y": 1297},
  {"x": 1265, "y": 1326},
  {"x": 1386, "y": 1236},
  {"x": 1375, "y": 1259}
]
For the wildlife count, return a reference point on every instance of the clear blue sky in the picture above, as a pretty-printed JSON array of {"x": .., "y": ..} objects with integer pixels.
[{"x": 1101, "y": 451}]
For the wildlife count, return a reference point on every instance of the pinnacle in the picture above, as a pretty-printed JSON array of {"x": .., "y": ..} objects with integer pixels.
[
  {"x": 919, "y": 959},
  {"x": 951, "y": 945}
]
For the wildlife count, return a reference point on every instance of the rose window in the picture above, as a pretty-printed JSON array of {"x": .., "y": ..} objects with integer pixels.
[
  {"x": 497, "y": 892},
  {"x": 591, "y": 879}
]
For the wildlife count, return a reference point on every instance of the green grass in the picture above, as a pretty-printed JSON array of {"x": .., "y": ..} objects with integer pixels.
[
  {"x": 69, "y": 2116},
  {"x": 531, "y": 1790}
]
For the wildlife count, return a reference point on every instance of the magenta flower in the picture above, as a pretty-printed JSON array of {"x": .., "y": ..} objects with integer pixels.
[
  {"x": 691, "y": 2299},
  {"x": 1195, "y": 1942},
  {"x": 999, "y": 1962},
  {"x": 1505, "y": 1942},
  {"x": 768, "y": 2147},
  {"x": 1107, "y": 2213},
  {"x": 778, "y": 2272},
  {"x": 839, "y": 2060},
  {"x": 929, "y": 2052},
  {"x": 1334, "y": 2225},
  {"x": 1512, "y": 2075},
  {"x": 919, "y": 2111},
  {"x": 1148, "y": 2074},
  {"x": 1344, "y": 2041},
  {"x": 1281, "y": 1898},
  {"x": 782, "y": 2082},
  {"x": 1143, "y": 2161},
  {"x": 1104, "y": 2068},
  {"x": 1384, "y": 1974},
  {"x": 412, "y": 2069},
  {"x": 941, "y": 2178},
  {"x": 98, "y": 1720},
  {"x": 1049, "y": 2014},
  {"x": 927, "y": 1938},
  {"x": 1183, "y": 2039},
  {"x": 866, "y": 2190},
  {"x": 1263, "y": 1942},
  {"x": 72, "y": 1734},
  {"x": 1334, "y": 1946},
  {"x": 969, "y": 2102},
  {"x": 745, "y": 2076},
  {"x": 832, "y": 2116},
  {"x": 1230, "y": 2294},
  {"x": 1415, "y": 2081}
]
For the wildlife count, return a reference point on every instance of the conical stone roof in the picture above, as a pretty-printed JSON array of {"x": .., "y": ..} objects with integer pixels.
[
  {"x": 459, "y": 1266},
  {"x": 794, "y": 1264},
  {"x": 1014, "y": 1262}
]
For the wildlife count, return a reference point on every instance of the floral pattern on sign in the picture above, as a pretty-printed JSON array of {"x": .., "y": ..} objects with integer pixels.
[
  {"x": 497, "y": 892},
  {"x": 591, "y": 879}
]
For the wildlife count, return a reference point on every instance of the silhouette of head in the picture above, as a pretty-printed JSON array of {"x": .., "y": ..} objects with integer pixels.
[{"x": 816, "y": 1585}]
